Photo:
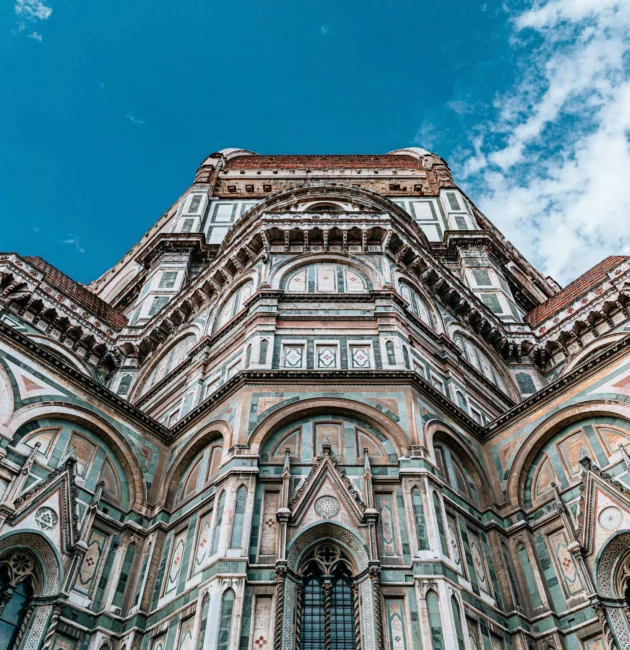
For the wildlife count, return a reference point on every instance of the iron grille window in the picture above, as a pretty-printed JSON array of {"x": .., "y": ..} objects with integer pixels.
[{"x": 335, "y": 616}]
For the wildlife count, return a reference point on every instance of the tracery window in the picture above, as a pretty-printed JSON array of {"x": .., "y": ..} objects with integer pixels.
[
  {"x": 417, "y": 304},
  {"x": 327, "y": 278},
  {"x": 169, "y": 361},
  {"x": 327, "y": 601},
  {"x": 235, "y": 303},
  {"x": 478, "y": 359}
]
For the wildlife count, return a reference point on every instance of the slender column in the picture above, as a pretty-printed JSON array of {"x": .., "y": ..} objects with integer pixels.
[
  {"x": 6, "y": 596},
  {"x": 357, "y": 616},
  {"x": 52, "y": 624},
  {"x": 25, "y": 623},
  {"x": 298, "y": 616},
  {"x": 281, "y": 576},
  {"x": 378, "y": 614},
  {"x": 327, "y": 586}
]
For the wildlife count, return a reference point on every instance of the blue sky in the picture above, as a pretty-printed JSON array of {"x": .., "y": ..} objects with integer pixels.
[{"x": 108, "y": 108}]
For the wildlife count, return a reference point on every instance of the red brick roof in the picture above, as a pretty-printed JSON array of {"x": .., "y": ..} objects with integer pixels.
[
  {"x": 573, "y": 291},
  {"x": 395, "y": 161},
  {"x": 79, "y": 293}
]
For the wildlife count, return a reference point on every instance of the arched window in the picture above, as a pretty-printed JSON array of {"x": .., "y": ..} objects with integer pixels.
[
  {"x": 391, "y": 356},
  {"x": 440, "y": 523},
  {"x": 417, "y": 305},
  {"x": 225, "y": 620},
  {"x": 406, "y": 357},
  {"x": 262, "y": 354},
  {"x": 217, "y": 528},
  {"x": 510, "y": 572},
  {"x": 124, "y": 575},
  {"x": 327, "y": 601},
  {"x": 123, "y": 386},
  {"x": 200, "y": 471},
  {"x": 204, "y": 622},
  {"x": 235, "y": 303},
  {"x": 248, "y": 355},
  {"x": 326, "y": 277},
  {"x": 418, "y": 512},
  {"x": 478, "y": 359},
  {"x": 459, "y": 631},
  {"x": 143, "y": 574},
  {"x": 19, "y": 582},
  {"x": 435, "y": 621},
  {"x": 169, "y": 361},
  {"x": 454, "y": 473},
  {"x": 530, "y": 579},
  {"x": 239, "y": 517}
]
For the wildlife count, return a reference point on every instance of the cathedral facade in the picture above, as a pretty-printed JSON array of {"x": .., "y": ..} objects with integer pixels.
[{"x": 323, "y": 404}]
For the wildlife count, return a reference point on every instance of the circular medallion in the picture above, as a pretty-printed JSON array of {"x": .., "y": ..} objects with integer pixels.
[
  {"x": 326, "y": 507},
  {"x": 46, "y": 518},
  {"x": 610, "y": 518}
]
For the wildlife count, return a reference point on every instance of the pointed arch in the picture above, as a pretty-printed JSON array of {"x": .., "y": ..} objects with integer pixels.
[
  {"x": 439, "y": 432},
  {"x": 206, "y": 436}
]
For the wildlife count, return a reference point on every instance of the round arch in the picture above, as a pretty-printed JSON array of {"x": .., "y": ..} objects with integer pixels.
[
  {"x": 528, "y": 448},
  {"x": 99, "y": 426},
  {"x": 361, "y": 198},
  {"x": 68, "y": 355},
  {"x": 505, "y": 377},
  {"x": 399, "y": 276},
  {"x": 290, "y": 265},
  {"x": 138, "y": 388},
  {"x": 249, "y": 276},
  {"x": 593, "y": 347},
  {"x": 317, "y": 405},
  {"x": 455, "y": 441},
  {"x": 320, "y": 531},
  {"x": 187, "y": 453}
]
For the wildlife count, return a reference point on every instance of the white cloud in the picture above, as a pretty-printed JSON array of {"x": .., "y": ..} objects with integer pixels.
[
  {"x": 32, "y": 9},
  {"x": 36, "y": 36},
  {"x": 551, "y": 168},
  {"x": 133, "y": 119},
  {"x": 73, "y": 240},
  {"x": 324, "y": 29}
]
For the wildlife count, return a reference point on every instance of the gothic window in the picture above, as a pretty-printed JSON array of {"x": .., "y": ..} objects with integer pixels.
[
  {"x": 440, "y": 523},
  {"x": 235, "y": 303},
  {"x": 124, "y": 575},
  {"x": 18, "y": 584},
  {"x": 239, "y": 517},
  {"x": 217, "y": 528},
  {"x": 225, "y": 620},
  {"x": 461, "y": 644},
  {"x": 477, "y": 359},
  {"x": 416, "y": 304},
  {"x": 327, "y": 601},
  {"x": 248, "y": 355},
  {"x": 391, "y": 356},
  {"x": 530, "y": 579},
  {"x": 510, "y": 572},
  {"x": 262, "y": 355},
  {"x": 406, "y": 357},
  {"x": 326, "y": 278},
  {"x": 123, "y": 386},
  {"x": 418, "y": 512},
  {"x": 525, "y": 383},
  {"x": 169, "y": 361},
  {"x": 435, "y": 621},
  {"x": 204, "y": 622},
  {"x": 200, "y": 471}
]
